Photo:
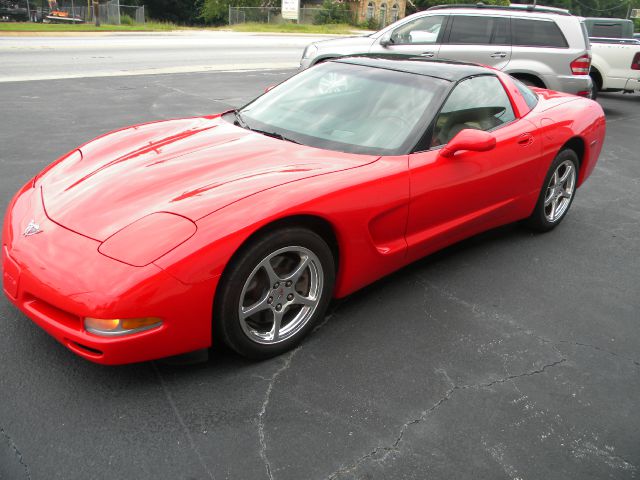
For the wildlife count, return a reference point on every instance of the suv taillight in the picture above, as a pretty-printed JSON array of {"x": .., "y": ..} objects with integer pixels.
[
  {"x": 581, "y": 65},
  {"x": 635, "y": 65}
]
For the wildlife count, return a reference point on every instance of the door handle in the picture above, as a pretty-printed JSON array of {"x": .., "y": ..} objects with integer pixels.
[
  {"x": 498, "y": 55},
  {"x": 427, "y": 54},
  {"x": 525, "y": 139}
]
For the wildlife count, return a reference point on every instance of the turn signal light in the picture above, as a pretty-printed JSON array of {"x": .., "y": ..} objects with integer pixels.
[{"x": 108, "y": 327}]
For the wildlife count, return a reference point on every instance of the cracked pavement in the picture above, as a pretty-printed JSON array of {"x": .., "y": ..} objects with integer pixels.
[{"x": 509, "y": 356}]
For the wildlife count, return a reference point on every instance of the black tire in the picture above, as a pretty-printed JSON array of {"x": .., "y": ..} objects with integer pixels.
[
  {"x": 594, "y": 89},
  {"x": 227, "y": 324},
  {"x": 539, "y": 219},
  {"x": 596, "y": 84}
]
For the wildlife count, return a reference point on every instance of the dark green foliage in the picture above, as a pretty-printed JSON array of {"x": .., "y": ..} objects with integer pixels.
[
  {"x": 182, "y": 12},
  {"x": 333, "y": 12}
]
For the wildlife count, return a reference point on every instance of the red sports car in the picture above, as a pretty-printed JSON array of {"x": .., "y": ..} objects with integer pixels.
[{"x": 157, "y": 239}]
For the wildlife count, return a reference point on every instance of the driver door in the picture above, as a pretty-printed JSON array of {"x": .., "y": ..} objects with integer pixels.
[
  {"x": 421, "y": 36},
  {"x": 456, "y": 197}
]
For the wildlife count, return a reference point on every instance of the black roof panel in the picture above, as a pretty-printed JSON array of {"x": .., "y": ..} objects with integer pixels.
[{"x": 445, "y": 70}]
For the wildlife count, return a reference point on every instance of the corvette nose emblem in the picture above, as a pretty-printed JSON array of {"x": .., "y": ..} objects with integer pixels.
[{"x": 32, "y": 229}]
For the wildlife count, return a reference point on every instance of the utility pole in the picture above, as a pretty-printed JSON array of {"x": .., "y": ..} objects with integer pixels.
[{"x": 96, "y": 12}]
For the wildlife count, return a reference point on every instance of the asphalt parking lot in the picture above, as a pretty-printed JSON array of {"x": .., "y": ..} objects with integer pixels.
[{"x": 509, "y": 356}]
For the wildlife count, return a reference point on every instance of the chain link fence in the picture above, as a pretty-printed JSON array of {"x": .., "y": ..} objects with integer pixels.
[
  {"x": 274, "y": 15},
  {"x": 69, "y": 11}
]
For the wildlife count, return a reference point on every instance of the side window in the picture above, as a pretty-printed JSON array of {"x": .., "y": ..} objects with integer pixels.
[
  {"x": 530, "y": 98},
  {"x": 424, "y": 31},
  {"x": 479, "y": 103},
  {"x": 479, "y": 30},
  {"x": 537, "y": 33}
]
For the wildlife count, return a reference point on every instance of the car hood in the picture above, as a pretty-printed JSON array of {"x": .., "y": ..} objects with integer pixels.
[
  {"x": 349, "y": 43},
  {"x": 190, "y": 167}
]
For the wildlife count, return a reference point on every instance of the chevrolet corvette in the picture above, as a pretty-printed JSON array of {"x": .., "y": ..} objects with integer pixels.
[{"x": 163, "y": 238}]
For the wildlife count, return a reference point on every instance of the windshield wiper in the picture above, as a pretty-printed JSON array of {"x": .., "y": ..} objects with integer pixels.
[
  {"x": 239, "y": 120},
  {"x": 274, "y": 135}
]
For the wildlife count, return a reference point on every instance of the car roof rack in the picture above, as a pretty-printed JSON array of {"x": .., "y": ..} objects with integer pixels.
[{"x": 514, "y": 7}]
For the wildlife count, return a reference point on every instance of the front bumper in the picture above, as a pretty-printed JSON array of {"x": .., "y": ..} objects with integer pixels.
[{"x": 58, "y": 277}]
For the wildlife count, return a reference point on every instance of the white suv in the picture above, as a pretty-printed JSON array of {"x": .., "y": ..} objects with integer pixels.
[{"x": 541, "y": 46}]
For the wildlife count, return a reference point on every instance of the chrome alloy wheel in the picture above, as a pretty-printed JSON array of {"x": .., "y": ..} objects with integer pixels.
[
  {"x": 280, "y": 295},
  {"x": 560, "y": 191}
]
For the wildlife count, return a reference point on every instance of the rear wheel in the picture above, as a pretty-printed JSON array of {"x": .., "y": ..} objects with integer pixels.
[
  {"x": 557, "y": 192},
  {"x": 596, "y": 83},
  {"x": 274, "y": 292}
]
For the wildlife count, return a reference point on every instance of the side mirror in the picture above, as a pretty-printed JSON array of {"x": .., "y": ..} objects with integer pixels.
[
  {"x": 270, "y": 87},
  {"x": 469, "y": 139},
  {"x": 386, "y": 40}
]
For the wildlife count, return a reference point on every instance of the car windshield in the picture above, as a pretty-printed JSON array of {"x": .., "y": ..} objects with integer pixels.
[{"x": 349, "y": 108}]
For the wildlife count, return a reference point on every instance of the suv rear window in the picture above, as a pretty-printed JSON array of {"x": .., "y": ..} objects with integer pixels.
[
  {"x": 480, "y": 30},
  {"x": 537, "y": 33}
]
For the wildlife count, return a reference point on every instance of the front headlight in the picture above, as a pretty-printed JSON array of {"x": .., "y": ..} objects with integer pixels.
[
  {"x": 310, "y": 51},
  {"x": 147, "y": 239}
]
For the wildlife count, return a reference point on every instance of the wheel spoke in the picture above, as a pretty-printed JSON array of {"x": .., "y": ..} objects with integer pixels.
[
  {"x": 299, "y": 270},
  {"x": 302, "y": 300},
  {"x": 549, "y": 198},
  {"x": 260, "y": 305},
  {"x": 277, "y": 322},
  {"x": 271, "y": 273},
  {"x": 568, "y": 171},
  {"x": 554, "y": 180},
  {"x": 566, "y": 194},
  {"x": 554, "y": 206}
]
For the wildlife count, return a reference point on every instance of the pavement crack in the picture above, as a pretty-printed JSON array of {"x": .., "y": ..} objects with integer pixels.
[
  {"x": 16, "y": 451},
  {"x": 384, "y": 451},
  {"x": 181, "y": 421},
  {"x": 263, "y": 411},
  {"x": 600, "y": 349},
  {"x": 481, "y": 313},
  {"x": 267, "y": 397}
]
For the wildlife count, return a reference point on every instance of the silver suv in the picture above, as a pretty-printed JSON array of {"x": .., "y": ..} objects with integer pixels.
[{"x": 541, "y": 46}]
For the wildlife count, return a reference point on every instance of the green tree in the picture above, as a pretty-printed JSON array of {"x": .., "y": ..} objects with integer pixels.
[
  {"x": 333, "y": 11},
  {"x": 217, "y": 11}
]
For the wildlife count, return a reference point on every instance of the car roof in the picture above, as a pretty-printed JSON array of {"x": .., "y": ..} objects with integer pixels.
[
  {"x": 493, "y": 9},
  {"x": 442, "y": 69}
]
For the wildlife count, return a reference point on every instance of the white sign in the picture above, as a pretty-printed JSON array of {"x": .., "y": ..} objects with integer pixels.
[
  {"x": 290, "y": 9},
  {"x": 635, "y": 13}
]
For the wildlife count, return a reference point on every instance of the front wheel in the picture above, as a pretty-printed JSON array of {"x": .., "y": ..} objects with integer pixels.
[
  {"x": 557, "y": 192},
  {"x": 274, "y": 292}
]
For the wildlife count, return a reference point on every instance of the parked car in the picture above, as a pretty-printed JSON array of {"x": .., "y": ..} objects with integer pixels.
[
  {"x": 615, "y": 65},
  {"x": 541, "y": 46},
  {"x": 149, "y": 240}
]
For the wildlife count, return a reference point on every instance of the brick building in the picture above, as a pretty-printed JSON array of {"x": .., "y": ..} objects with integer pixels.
[{"x": 383, "y": 12}]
